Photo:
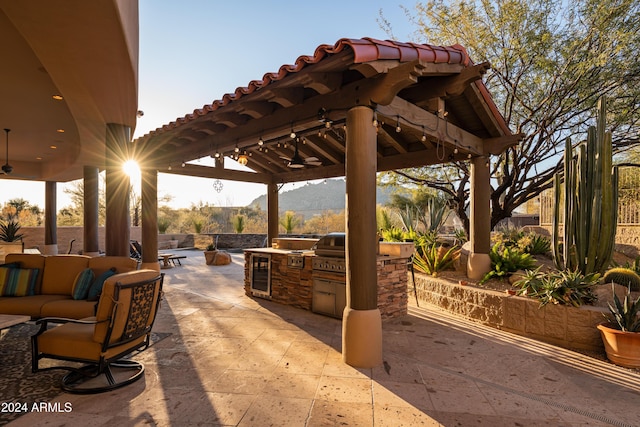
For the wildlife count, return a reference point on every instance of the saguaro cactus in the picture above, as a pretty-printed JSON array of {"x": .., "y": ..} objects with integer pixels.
[{"x": 590, "y": 202}]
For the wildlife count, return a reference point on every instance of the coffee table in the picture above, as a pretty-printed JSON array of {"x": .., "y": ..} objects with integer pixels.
[{"x": 8, "y": 320}]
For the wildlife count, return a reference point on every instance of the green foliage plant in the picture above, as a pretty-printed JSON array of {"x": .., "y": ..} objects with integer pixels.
[
  {"x": 535, "y": 244},
  {"x": 506, "y": 260},
  {"x": 590, "y": 202},
  {"x": 393, "y": 234},
  {"x": 239, "y": 223},
  {"x": 9, "y": 231},
  {"x": 626, "y": 314},
  {"x": 163, "y": 224},
  {"x": 559, "y": 287},
  {"x": 289, "y": 221},
  {"x": 623, "y": 276},
  {"x": 434, "y": 258}
]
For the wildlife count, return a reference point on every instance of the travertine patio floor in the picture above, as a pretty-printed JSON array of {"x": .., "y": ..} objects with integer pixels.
[{"x": 236, "y": 361}]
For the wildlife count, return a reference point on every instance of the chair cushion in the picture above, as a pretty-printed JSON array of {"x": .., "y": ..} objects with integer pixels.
[
  {"x": 30, "y": 305},
  {"x": 100, "y": 264},
  {"x": 96, "y": 286},
  {"x": 70, "y": 308},
  {"x": 18, "y": 282},
  {"x": 82, "y": 283},
  {"x": 60, "y": 272}
]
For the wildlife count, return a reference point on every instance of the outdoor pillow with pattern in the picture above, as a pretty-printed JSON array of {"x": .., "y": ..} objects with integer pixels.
[
  {"x": 82, "y": 284},
  {"x": 18, "y": 282},
  {"x": 96, "y": 286}
]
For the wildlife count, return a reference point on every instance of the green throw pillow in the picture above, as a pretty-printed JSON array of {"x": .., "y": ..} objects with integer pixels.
[
  {"x": 81, "y": 285},
  {"x": 96, "y": 286},
  {"x": 18, "y": 282}
]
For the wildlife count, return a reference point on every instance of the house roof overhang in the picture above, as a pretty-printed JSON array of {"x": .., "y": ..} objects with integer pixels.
[
  {"x": 433, "y": 94},
  {"x": 84, "y": 51}
]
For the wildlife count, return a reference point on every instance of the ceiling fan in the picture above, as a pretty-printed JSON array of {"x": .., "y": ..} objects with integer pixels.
[
  {"x": 7, "y": 168},
  {"x": 297, "y": 162}
]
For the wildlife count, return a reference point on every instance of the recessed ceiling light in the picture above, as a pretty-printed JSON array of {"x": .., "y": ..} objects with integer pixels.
[
  {"x": 60, "y": 130},
  {"x": 53, "y": 147},
  {"x": 57, "y": 97},
  {"x": 38, "y": 158}
]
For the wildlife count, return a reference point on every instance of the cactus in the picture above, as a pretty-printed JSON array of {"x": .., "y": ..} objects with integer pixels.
[
  {"x": 590, "y": 203},
  {"x": 623, "y": 276}
]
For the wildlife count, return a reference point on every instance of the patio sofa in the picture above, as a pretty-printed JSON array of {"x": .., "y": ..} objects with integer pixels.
[{"x": 57, "y": 285}]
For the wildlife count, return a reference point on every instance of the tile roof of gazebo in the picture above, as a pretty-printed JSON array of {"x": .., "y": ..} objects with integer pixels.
[{"x": 434, "y": 92}]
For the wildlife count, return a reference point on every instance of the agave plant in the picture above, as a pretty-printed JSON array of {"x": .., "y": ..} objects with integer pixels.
[
  {"x": 506, "y": 260},
  {"x": 9, "y": 231},
  {"x": 562, "y": 287},
  {"x": 434, "y": 258},
  {"x": 626, "y": 314}
]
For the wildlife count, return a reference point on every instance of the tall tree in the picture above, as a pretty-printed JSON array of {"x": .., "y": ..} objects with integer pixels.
[{"x": 551, "y": 61}]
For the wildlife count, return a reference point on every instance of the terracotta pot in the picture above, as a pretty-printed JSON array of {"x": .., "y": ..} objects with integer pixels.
[
  {"x": 623, "y": 348},
  {"x": 210, "y": 257}
]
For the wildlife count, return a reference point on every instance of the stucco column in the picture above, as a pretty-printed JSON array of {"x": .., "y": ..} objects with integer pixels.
[
  {"x": 149, "y": 192},
  {"x": 50, "y": 215},
  {"x": 91, "y": 245},
  {"x": 479, "y": 262},
  {"x": 117, "y": 222},
  {"x": 361, "y": 322},
  {"x": 272, "y": 213}
]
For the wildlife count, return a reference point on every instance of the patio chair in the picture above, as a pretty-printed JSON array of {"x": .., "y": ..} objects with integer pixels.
[
  {"x": 124, "y": 318},
  {"x": 135, "y": 250}
]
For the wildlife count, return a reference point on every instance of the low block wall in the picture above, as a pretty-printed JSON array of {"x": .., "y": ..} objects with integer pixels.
[{"x": 561, "y": 325}]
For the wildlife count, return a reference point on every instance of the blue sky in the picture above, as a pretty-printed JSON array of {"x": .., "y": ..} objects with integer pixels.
[{"x": 192, "y": 53}]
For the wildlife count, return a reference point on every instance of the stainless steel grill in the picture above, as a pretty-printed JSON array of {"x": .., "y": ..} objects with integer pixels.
[{"x": 329, "y": 275}]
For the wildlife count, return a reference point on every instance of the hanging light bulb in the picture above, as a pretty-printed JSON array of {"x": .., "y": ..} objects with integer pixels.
[
  {"x": 455, "y": 150},
  {"x": 169, "y": 168},
  {"x": 398, "y": 128},
  {"x": 261, "y": 142},
  {"x": 237, "y": 150},
  {"x": 375, "y": 119},
  {"x": 183, "y": 164},
  {"x": 292, "y": 135},
  {"x": 424, "y": 137}
]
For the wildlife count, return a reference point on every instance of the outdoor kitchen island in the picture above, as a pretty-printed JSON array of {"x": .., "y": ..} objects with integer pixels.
[{"x": 308, "y": 274}]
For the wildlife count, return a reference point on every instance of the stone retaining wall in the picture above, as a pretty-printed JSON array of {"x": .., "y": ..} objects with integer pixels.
[{"x": 564, "y": 326}]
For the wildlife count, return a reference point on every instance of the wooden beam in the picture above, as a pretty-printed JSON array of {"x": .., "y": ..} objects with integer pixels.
[
  {"x": 433, "y": 125},
  {"x": 310, "y": 173},
  {"x": 453, "y": 85},
  {"x": 496, "y": 146},
  {"x": 217, "y": 173},
  {"x": 286, "y": 97},
  {"x": 256, "y": 110},
  {"x": 314, "y": 142},
  {"x": 322, "y": 82}
]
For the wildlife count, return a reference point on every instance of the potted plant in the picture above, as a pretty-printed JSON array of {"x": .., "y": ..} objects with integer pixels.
[
  {"x": 210, "y": 253},
  {"x": 10, "y": 238},
  {"x": 621, "y": 334}
]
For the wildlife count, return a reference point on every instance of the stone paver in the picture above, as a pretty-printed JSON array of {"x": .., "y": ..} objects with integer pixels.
[{"x": 231, "y": 360}]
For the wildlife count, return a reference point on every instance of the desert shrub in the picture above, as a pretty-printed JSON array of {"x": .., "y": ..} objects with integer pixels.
[
  {"x": 434, "y": 258},
  {"x": 506, "y": 260},
  {"x": 559, "y": 287}
]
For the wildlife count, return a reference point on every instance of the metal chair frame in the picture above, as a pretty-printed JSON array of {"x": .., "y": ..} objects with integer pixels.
[{"x": 72, "y": 382}]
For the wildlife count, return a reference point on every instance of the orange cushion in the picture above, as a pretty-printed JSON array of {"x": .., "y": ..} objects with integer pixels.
[
  {"x": 29, "y": 306},
  {"x": 122, "y": 264},
  {"x": 60, "y": 272},
  {"x": 67, "y": 307}
]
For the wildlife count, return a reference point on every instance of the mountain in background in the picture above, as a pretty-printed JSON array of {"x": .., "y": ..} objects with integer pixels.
[{"x": 313, "y": 199}]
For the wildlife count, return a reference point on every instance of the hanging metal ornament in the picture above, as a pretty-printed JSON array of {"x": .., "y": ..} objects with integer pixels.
[{"x": 217, "y": 185}]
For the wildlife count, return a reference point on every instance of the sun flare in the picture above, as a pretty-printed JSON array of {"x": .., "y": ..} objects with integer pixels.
[{"x": 132, "y": 169}]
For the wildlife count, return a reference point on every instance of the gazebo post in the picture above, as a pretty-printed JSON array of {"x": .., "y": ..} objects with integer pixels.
[
  {"x": 149, "y": 191},
  {"x": 361, "y": 322},
  {"x": 91, "y": 244},
  {"x": 272, "y": 213},
  {"x": 50, "y": 212},
  {"x": 117, "y": 229},
  {"x": 479, "y": 262}
]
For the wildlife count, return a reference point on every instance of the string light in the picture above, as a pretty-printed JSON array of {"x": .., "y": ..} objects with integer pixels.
[
  {"x": 398, "y": 128},
  {"x": 375, "y": 119},
  {"x": 183, "y": 164}
]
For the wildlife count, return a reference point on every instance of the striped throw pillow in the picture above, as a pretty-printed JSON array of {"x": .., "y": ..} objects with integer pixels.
[
  {"x": 83, "y": 282},
  {"x": 18, "y": 282}
]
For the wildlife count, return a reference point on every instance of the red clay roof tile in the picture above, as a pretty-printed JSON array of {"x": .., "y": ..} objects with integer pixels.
[{"x": 364, "y": 50}]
